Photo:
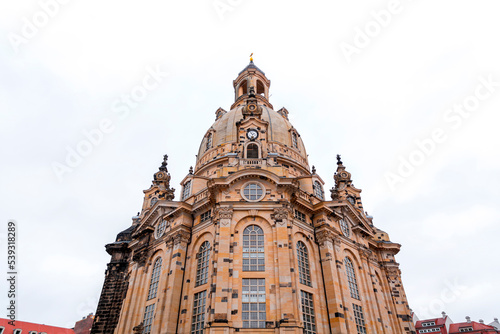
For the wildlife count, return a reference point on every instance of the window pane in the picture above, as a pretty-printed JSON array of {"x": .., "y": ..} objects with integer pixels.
[
  {"x": 253, "y": 252},
  {"x": 254, "y": 303}
]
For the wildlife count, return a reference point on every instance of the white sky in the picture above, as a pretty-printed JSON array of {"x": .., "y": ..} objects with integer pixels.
[{"x": 66, "y": 77}]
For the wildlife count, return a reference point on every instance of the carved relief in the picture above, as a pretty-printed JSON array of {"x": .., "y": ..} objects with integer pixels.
[
  {"x": 224, "y": 212},
  {"x": 280, "y": 214},
  {"x": 138, "y": 329},
  {"x": 323, "y": 236}
]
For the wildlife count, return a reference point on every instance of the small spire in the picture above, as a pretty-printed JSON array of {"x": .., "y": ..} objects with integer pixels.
[
  {"x": 163, "y": 166},
  {"x": 339, "y": 162},
  {"x": 191, "y": 170},
  {"x": 251, "y": 58},
  {"x": 314, "y": 170}
]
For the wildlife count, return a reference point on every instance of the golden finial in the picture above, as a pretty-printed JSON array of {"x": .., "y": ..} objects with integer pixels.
[{"x": 251, "y": 58}]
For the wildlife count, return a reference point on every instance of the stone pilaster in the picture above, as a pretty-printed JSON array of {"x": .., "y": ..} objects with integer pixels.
[
  {"x": 287, "y": 308},
  {"x": 178, "y": 242},
  {"x": 329, "y": 246},
  {"x": 220, "y": 288}
]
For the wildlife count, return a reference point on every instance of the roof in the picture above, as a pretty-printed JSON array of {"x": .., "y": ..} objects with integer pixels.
[
  {"x": 439, "y": 322},
  {"x": 495, "y": 324},
  {"x": 29, "y": 326},
  {"x": 225, "y": 130},
  {"x": 455, "y": 328},
  {"x": 251, "y": 66}
]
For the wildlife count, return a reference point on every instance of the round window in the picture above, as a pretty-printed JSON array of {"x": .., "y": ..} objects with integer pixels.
[
  {"x": 344, "y": 226},
  {"x": 160, "y": 229},
  {"x": 253, "y": 192}
]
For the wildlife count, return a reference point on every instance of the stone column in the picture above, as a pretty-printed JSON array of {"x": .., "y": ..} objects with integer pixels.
[{"x": 288, "y": 315}]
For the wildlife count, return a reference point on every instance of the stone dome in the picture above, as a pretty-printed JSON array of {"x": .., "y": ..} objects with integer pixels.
[
  {"x": 224, "y": 131},
  {"x": 273, "y": 140}
]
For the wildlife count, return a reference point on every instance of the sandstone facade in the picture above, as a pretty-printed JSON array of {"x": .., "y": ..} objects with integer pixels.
[{"x": 253, "y": 245}]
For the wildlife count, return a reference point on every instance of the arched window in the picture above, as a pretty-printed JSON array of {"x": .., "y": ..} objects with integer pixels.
[
  {"x": 303, "y": 259},
  {"x": 253, "y": 249},
  {"x": 252, "y": 151},
  {"x": 203, "y": 257},
  {"x": 155, "y": 278},
  {"x": 209, "y": 141},
  {"x": 260, "y": 88},
  {"x": 242, "y": 89},
  {"x": 318, "y": 190},
  {"x": 351, "y": 278},
  {"x": 294, "y": 140}
]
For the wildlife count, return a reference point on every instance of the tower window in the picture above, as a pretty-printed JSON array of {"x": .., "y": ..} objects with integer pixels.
[
  {"x": 294, "y": 140},
  {"x": 243, "y": 88},
  {"x": 187, "y": 190},
  {"x": 351, "y": 278},
  {"x": 253, "y": 302},
  {"x": 308, "y": 312},
  {"x": 253, "y": 249},
  {"x": 359, "y": 318},
  {"x": 261, "y": 90},
  {"x": 198, "y": 322},
  {"x": 203, "y": 260},
  {"x": 252, "y": 151},
  {"x": 148, "y": 318},
  {"x": 155, "y": 278},
  {"x": 209, "y": 141},
  {"x": 318, "y": 190},
  {"x": 303, "y": 259},
  {"x": 160, "y": 229},
  {"x": 153, "y": 201},
  {"x": 344, "y": 226}
]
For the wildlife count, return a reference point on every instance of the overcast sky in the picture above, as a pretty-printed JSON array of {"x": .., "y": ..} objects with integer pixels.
[{"x": 407, "y": 91}]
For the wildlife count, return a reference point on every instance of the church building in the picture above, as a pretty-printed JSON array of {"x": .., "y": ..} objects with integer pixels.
[{"x": 254, "y": 244}]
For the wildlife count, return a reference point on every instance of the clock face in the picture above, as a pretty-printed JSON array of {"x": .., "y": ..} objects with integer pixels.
[{"x": 252, "y": 134}]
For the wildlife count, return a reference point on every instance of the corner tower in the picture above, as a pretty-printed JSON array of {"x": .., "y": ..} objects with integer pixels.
[{"x": 253, "y": 245}]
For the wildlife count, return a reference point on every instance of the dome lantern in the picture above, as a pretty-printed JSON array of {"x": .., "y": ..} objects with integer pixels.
[{"x": 251, "y": 83}]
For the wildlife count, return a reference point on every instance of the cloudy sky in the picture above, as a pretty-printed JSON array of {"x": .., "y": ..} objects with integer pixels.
[{"x": 93, "y": 93}]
